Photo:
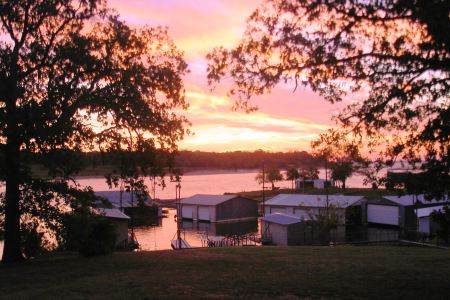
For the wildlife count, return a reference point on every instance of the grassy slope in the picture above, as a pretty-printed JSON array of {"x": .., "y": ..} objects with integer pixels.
[{"x": 262, "y": 273}]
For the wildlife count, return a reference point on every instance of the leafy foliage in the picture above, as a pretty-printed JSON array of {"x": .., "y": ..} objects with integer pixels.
[
  {"x": 88, "y": 234},
  {"x": 391, "y": 58},
  {"x": 271, "y": 174},
  {"x": 442, "y": 218},
  {"x": 73, "y": 77},
  {"x": 292, "y": 174},
  {"x": 343, "y": 155}
]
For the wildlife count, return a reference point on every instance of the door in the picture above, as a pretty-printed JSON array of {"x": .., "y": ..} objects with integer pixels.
[
  {"x": 203, "y": 213},
  {"x": 382, "y": 214},
  {"x": 187, "y": 212}
]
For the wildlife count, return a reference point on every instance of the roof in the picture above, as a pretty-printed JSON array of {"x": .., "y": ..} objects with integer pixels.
[
  {"x": 407, "y": 200},
  {"x": 282, "y": 219},
  {"x": 111, "y": 213},
  {"x": 312, "y": 200},
  {"x": 426, "y": 211},
  {"x": 202, "y": 199},
  {"x": 114, "y": 198}
]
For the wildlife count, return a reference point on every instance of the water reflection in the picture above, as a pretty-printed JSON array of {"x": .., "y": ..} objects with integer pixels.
[{"x": 159, "y": 236}]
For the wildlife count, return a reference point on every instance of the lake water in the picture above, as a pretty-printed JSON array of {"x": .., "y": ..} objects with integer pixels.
[
  {"x": 158, "y": 237},
  {"x": 209, "y": 183}
]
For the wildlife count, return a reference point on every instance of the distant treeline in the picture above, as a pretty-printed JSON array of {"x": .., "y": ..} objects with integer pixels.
[
  {"x": 225, "y": 160},
  {"x": 97, "y": 163},
  {"x": 241, "y": 159}
]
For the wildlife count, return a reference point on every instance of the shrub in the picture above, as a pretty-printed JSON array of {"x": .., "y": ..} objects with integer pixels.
[
  {"x": 32, "y": 240},
  {"x": 442, "y": 218},
  {"x": 90, "y": 235}
]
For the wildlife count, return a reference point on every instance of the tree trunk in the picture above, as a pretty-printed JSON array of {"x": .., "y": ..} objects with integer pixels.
[
  {"x": 343, "y": 184},
  {"x": 12, "y": 249}
]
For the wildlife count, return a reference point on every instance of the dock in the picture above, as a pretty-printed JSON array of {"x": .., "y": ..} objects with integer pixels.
[{"x": 180, "y": 244}]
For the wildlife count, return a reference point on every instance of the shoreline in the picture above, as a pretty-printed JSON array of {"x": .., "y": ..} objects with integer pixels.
[{"x": 190, "y": 172}]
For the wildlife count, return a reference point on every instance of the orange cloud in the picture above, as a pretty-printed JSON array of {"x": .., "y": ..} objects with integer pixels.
[{"x": 285, "y": 120}]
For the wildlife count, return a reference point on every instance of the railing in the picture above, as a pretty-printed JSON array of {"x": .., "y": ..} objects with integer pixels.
[{"x": 250, "y": 239}]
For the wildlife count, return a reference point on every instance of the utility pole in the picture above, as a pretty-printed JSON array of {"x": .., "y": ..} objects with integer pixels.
[
  {"x": 131, "y": 211},
  {"x": 326, "y": 184},
  {"x": 120, "y": 196},
  {"x": 178, "y": 201},
  {"x": 263, "y": 191}
]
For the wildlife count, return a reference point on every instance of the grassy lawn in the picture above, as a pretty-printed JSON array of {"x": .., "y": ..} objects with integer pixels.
[{"x": 388, "y": 272}]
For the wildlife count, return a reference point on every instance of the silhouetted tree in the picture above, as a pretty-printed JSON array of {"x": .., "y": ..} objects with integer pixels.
[
  {"x": 442, "y": 218},
  {"x": 395, "y": 54},
  {"x": 292, "y": 174},
  {"x": 309, "y": 173},
  {"x": 343, "y": 156},
  {"x": 73, "y": 77},
  {"x": 272, "y": 175}
]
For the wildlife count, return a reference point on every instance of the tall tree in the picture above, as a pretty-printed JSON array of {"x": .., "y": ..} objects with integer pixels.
[
  {"x": 292, "y": 174},
  {"x": 394, "y": 53},
  {"x": 272, "y": 174},
  {"x": 73, "y": 77},
  {"x": 339, "y": 153}
]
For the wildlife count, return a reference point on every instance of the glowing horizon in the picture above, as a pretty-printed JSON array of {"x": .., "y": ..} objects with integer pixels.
[{"x": 285, "y": 121}]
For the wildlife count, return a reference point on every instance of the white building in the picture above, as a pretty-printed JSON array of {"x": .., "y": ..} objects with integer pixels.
[
  {"x": 219, "y": 208},
  {"x": 307, "y": 206},
  {"x": 281, "y": 229},
  {"x": 315, "y": 183},
  {"x": 396, "y": 210},
  {"x": 122, "y": 199},
  {"x": 425, "y": 224}
]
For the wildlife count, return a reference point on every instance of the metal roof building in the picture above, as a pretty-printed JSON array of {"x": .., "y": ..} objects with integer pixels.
[
  {"x": 307, "y": 206},
  {"x": 112, "y": 213},
  {"x": 114, "y": 198},
  {"x": 120, "y": 221},
  {"x": 281, "y": 229},
  {"x": 218, "y": 208},
  {"x": 401, "y": 211}
]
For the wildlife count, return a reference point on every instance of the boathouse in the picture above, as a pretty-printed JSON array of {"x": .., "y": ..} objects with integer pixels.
[
  {"x": 425, "y": 224},
  {"x": 123, "y": 199},
  {"x": 218, "y": 208},
  {"x": 281, "y": 229},
  {"x": 313, "y": 183},
  {"x": 306, "y": 207},
  {"x": 399, "y": 211},
  {"x": 120, "y": 221}
]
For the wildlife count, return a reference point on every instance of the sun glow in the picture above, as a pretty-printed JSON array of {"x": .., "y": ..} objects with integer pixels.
[{"x": 285, "y": 120}]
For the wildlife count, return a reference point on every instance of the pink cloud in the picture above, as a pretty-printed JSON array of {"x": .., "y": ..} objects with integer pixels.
[{"x": 285, "y": 120}]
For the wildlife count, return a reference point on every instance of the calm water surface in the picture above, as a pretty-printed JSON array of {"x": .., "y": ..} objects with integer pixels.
[
  {"x": 158, "y": 237},
  {"x": 207, "y": 183}
]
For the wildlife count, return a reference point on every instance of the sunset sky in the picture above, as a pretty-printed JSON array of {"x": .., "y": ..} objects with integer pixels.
[{"x": 285, "y": 120}]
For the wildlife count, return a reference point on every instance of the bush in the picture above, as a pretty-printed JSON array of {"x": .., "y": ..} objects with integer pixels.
[
  {"x": 89, "y": 235},
  {"x": 442, "y": 218},
  {"x": 32, "y": 240}
]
